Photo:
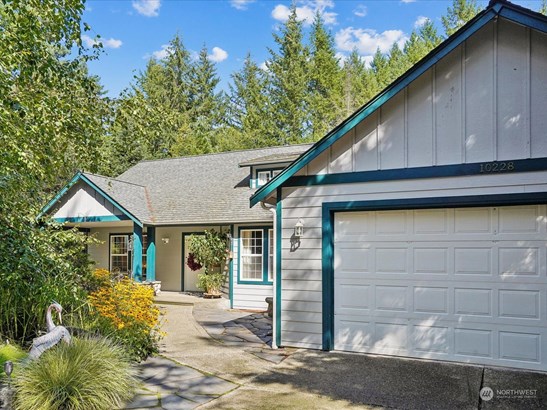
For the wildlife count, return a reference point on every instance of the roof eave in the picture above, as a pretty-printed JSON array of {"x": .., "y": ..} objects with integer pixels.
[{"x": 506, "y": 10}]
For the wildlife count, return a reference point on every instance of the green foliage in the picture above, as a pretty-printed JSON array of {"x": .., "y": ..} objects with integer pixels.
[
  {"x": 88, "y": 374},
  {"x": 289, "y": 74},
  {"x": 460, "y": 13},
  {"x": 210, "y": 250},
  {"x": 11, "y": 353},
  {"x": 543, "y": 7}
]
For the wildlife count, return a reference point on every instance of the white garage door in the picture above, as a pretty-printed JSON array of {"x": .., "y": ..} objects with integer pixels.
[{"x": 467, "y": 284}]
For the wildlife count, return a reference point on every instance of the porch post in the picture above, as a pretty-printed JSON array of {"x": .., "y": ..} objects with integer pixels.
[
  {"x": 151, "y": 254},
  {"x": 137, "y": 252}
]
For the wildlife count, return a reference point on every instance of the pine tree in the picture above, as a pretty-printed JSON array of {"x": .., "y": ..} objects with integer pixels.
[
  {"x": 289, "y": 70},
  {"x": 325, "y": 81},
  {"x": 460, "y": 13},
  {"x": 421, "y": 42},
  {"x": 397, "y": 63},
  {"x": 249, "y": 106},
  {"x": 543, "y": 8},
  {"x": 177, "y": 72},
  {"x": 359, "y": 83},
  {"x": 379, "y": 66},
  {"x": 207, "y": 105}
]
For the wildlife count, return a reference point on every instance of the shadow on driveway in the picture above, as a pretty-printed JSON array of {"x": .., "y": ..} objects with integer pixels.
[{"x": 403, "y": 383}]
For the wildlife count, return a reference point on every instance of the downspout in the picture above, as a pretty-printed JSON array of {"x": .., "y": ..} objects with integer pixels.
[{"x": 271, "y": 208}]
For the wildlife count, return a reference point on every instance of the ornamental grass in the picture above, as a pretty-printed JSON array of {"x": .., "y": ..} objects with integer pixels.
[{"x": 89, "y": 374}]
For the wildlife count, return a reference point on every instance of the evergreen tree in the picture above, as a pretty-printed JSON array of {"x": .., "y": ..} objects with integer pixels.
[
  {"x": 325, "y": 80},
  {"x": 206, "y": 112},
  {"x": 289, "y": 72},
  {"x": 177, "y": 75},
  {"x": 359, "y": 83},
  {"x": 249, "y": 106},
  {"x": 397, "y": 63},
  {"x": 543, "y": 8},
  {"x": 421, "y": 42},
  {"x": 460, "y": 13},
  {"x": 379, "y": 66}
]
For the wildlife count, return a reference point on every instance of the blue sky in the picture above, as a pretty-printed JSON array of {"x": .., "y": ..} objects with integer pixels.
[{"x": 132, "y": 31}]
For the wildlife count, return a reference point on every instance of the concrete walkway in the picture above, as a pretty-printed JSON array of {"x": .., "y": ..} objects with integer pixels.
[{"x": 235, "y": 377}]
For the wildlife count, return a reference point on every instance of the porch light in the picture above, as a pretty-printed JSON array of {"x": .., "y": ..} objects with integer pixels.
[
  {"x": 165, "y": 240},
  {"x": 299, "y": 229}
]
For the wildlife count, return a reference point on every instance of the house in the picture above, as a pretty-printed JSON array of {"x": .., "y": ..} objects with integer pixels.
[
  {"x": 424, "y": 214},
  {"x": 144, "y": 217}
]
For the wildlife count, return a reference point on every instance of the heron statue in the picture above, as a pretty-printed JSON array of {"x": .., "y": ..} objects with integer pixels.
[{"x": 53, "y": 336}]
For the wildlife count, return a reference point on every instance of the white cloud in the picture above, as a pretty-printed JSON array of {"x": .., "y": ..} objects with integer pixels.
[
  {"x": 148, "y": 8},
  {"x": 408, "y": 1},
  {"x": 106, "y": 42},
  {"x": 241, "y": 4},
  {"x": 263, "y": 66},
  {"x": 420, "y": 21},
  {"x": 360, "y": 10},
  {"x": 217, "y": 55},
  {"x": 306, "y": 12},
  {"x": 366, "y": 41},
  {"x": 162, "y": 53}
]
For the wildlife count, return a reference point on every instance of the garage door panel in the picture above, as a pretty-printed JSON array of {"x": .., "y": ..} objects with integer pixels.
[{"x": 464, "y": 284}]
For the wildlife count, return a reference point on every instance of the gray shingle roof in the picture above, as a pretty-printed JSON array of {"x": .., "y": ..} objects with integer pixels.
[
  {"x": 272, "y": 159},
  {"x": 201, "y": 189},
  {"x": 132, "y": 197}
]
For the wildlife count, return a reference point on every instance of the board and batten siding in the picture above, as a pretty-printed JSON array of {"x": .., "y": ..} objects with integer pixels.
[
  {"x": 483, "y": 102},
  {"x": 252, "y": 297},
  {"x": 84, "y": 201}
]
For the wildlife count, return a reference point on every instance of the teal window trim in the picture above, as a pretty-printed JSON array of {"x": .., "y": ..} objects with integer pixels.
[
  {"x": 131, "y": 260},
  {"x": 265, "y": 256},
  {"x": 329, "y": 209},
  {"x": 500, "y": 8}
]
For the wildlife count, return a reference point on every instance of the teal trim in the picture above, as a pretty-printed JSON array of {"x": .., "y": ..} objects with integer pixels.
[
  {"x": 507, "y": 10},
  {"x": 330, "y": 208},
  {"x": 137, "y": 252},
  {"x": 277, "y": 290},
  {"x": 440, "y": 171},
  {"x": 81, "y": 176},
  {"x": 184, "y": 235},
  {"x": 265, "y": 256},
  {"x": 231, "y": 269},
  {"x": 63, "y": 191},
  {"x": 150, "y": 253},
  {"x": 82, "y": 219}
]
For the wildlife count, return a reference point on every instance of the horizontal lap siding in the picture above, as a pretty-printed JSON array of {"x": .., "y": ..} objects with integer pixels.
[
  {"x": 301, "y": 294},
  {"x": 246, "y": 296}
]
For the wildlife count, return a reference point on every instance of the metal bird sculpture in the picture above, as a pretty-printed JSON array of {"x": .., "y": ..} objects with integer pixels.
[{"x": 53, "y": 336}]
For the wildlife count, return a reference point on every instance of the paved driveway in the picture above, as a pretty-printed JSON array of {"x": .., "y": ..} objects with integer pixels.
[{"x": 307, "y": 379}]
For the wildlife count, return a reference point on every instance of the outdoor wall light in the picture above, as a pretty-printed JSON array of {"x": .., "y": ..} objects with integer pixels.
[
  {"x": 299, "y": 229},
  {"x": 165, "y": 240}
]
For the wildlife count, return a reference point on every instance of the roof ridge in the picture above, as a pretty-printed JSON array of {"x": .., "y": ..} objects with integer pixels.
[
  {"x": 113, "y": 179},
  {"x": 223, "y": 152}
]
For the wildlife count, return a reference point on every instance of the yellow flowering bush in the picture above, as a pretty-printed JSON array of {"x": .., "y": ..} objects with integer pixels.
[{"x": 125, "y": 310}]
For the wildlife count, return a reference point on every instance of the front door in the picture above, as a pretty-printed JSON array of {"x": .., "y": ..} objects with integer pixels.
[{"x": 190, "y": 277}]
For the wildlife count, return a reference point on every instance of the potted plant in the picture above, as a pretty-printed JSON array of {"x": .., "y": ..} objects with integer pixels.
[{"x": 210, "y": 252}]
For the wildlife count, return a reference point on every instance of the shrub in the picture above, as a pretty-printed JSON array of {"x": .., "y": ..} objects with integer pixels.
[
  {"x": 88, "y": 374},
  {"x": 10, "y": 353},
  {"x": 125, "y": 311},
  {"x": 211, "y": 252}
]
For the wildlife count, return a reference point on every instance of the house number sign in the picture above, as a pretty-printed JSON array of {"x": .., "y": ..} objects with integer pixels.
[{"x": 491, "y": 167}]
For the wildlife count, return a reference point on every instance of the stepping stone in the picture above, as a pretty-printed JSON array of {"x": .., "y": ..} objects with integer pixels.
[
  {"x": 174, "y": 402},
  {"x": 140, "y": 402}
]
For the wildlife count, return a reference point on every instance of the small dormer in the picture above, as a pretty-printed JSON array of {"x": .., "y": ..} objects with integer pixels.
[{"x": 263, "y": 169}]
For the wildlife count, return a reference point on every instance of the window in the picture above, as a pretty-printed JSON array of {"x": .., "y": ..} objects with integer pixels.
[
  {"x": 264, "y": 177},
  {"x": 256, "y": 255},
  {"x": 121, "y": 255},
  {"x": 271, "y": 255}
]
